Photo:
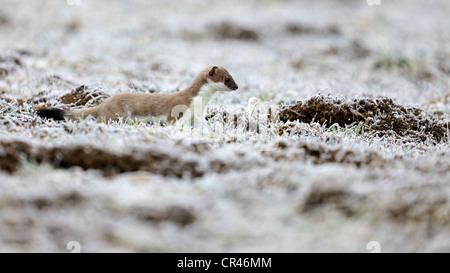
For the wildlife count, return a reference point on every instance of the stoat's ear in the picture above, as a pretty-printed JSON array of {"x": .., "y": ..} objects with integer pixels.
[{"x": 212, "y": 71}]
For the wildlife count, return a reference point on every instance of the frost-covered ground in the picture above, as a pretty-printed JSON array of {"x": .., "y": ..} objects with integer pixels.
[{"x": 380, "y": 172}]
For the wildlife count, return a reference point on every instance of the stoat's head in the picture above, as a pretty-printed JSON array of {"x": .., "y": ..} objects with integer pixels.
[{"x": 219, "y": 77}]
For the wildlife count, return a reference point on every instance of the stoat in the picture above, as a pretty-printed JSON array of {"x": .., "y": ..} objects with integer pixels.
[{"x": 124, "y": 105}]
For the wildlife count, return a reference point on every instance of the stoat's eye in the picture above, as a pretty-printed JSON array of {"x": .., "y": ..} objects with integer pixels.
[{"x": 226, "y": 80}]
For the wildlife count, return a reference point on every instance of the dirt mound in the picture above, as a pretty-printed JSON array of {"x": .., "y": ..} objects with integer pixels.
[
  {"x": 174, "y": 213},
  {"x": 381, "y": 115},
  {"x": 71, "y": 199},
  {"x": 297, "y": 28},
  {"x": 227, "y": 30},
  {"x": 328, "y": 196},
  {"x": 110, "y": 163},
  {"x": 320, "y": 154},
  {"x": 83, "y": 95},
  {"x": 90, "y": 157},
  {"x": 354, "y": 49},
  {"x": 419, "y": 203},
  {"x": 422, "y": 204}
]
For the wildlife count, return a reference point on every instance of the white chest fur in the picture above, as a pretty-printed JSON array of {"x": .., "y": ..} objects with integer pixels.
[{"x": 198, "y": 104}]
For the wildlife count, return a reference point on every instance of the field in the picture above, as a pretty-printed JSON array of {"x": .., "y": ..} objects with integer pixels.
[{"x": 337, "y": 136}]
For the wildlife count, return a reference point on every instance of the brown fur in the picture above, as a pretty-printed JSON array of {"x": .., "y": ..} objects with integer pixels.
[{"x": 141, "y": 104}]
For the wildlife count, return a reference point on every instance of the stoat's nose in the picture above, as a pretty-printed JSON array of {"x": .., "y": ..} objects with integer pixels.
[
  {"x": 233, "y": 86},
  {"x": 230, "y": 83}
]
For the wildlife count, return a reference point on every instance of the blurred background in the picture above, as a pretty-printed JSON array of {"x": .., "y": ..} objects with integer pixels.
[
  {"x": 277, "y": 50},
  {"x": 241, "y": 199}
]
